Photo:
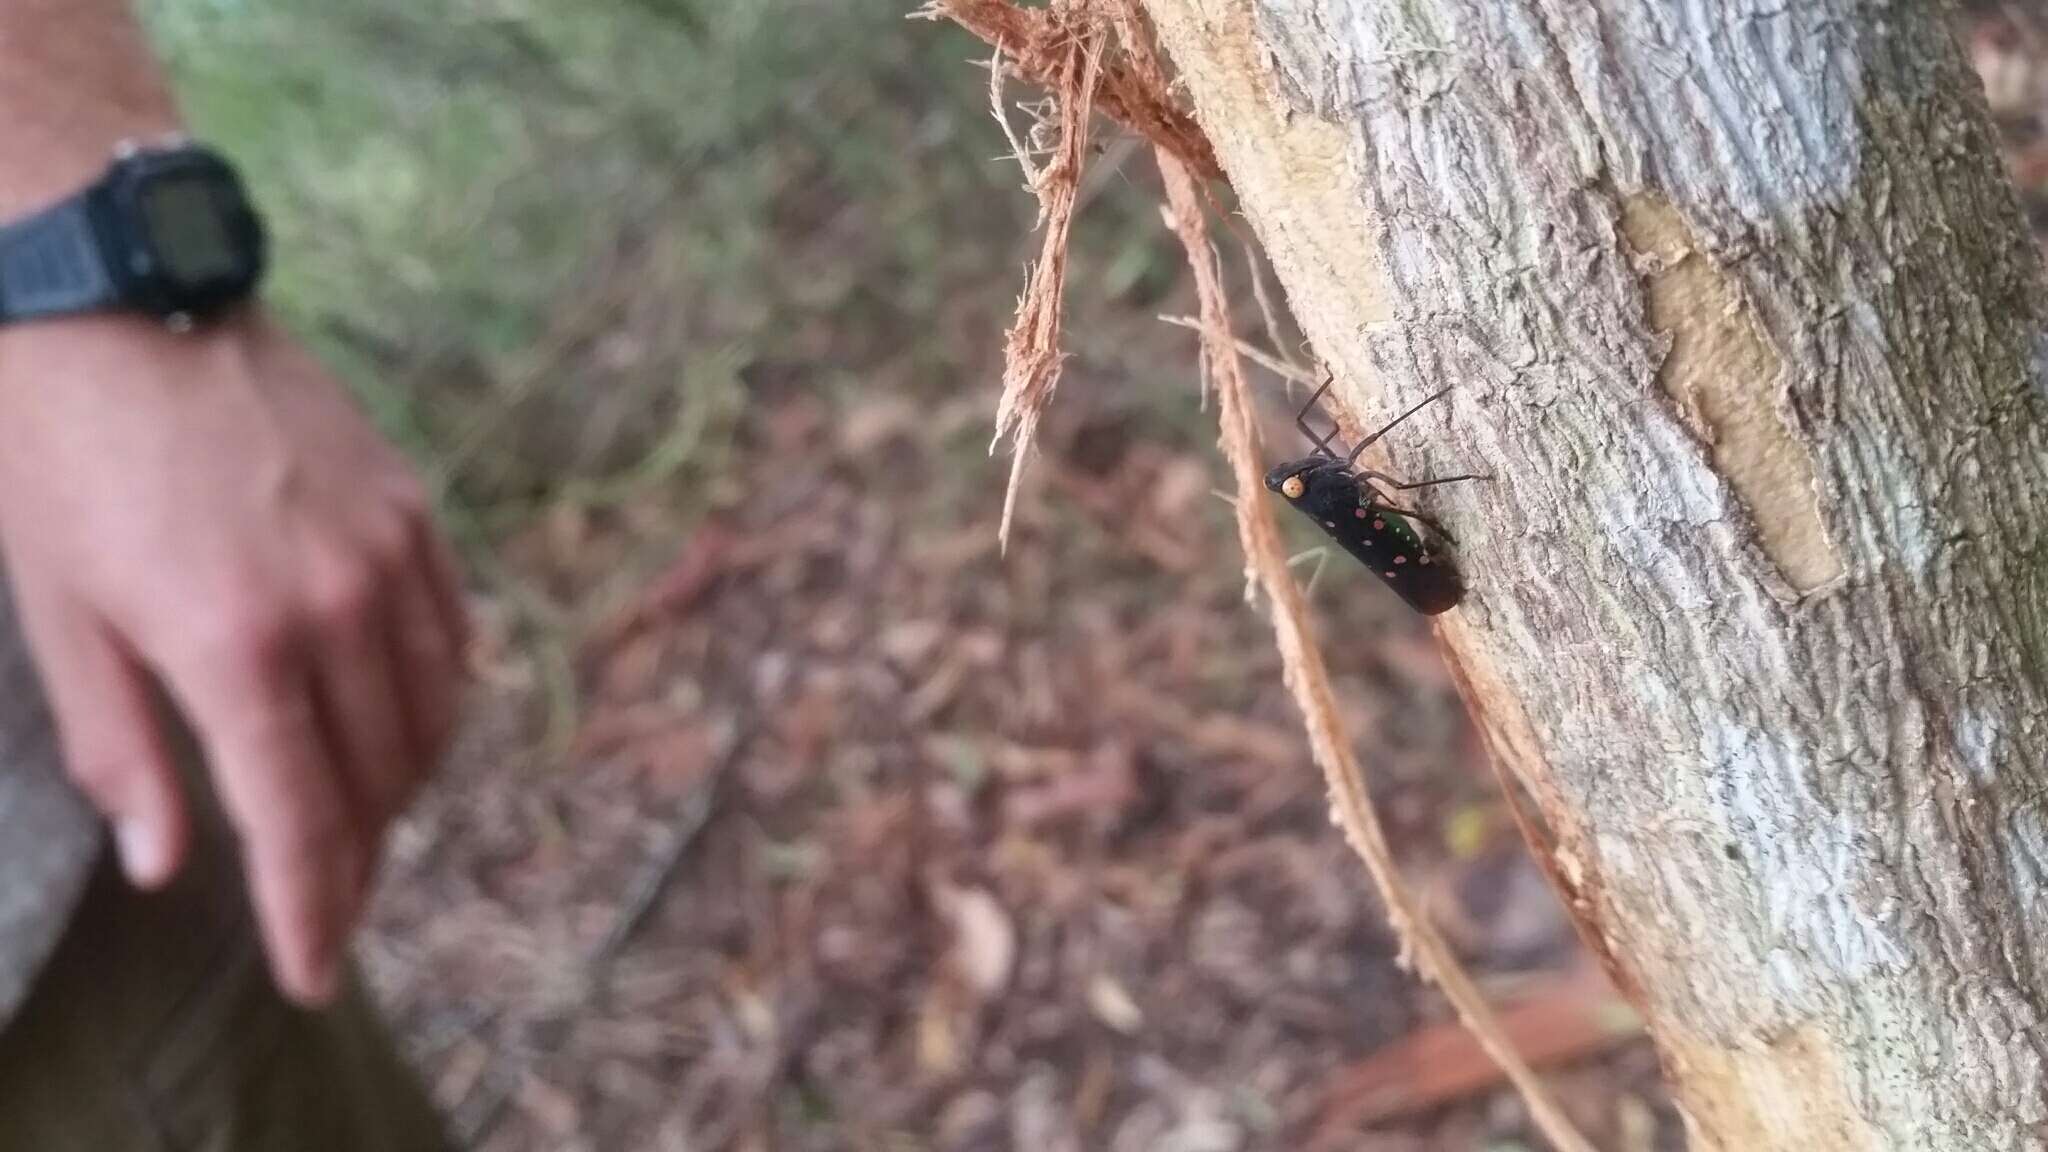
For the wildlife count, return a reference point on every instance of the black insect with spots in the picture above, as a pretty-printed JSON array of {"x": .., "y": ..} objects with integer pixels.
[{"x": 1345, "y": 502}]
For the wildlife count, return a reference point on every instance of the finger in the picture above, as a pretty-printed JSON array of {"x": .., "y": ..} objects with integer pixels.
[
  {"x": 113, "y": 747},
  {"x": 428, "y": 669},
  {"x": 252, "y": 706},
  {"x": 357, "y": 675},
  {"x": 444, "y": 571}
]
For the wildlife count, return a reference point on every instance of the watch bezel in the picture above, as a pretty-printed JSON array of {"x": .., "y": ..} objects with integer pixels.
[{"x": 135, "y": 259}]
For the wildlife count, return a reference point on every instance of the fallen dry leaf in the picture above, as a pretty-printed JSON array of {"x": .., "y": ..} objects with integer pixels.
[
  {"x": 984, "y": 940},
  {"x": 1555, "y": 1020},
  {"x": 1112, "y": 1004}
]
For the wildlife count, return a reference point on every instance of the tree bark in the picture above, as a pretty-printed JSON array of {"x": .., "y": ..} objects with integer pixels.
[{"x": 1741, "y": 311}]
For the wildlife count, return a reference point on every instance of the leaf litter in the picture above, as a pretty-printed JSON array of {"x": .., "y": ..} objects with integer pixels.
[{"x": 720, "y": 922}]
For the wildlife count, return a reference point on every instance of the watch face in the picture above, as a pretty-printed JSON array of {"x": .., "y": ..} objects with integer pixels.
[
  {"x": 180, "y": 232},
  {"x": 189, "y": 229}
]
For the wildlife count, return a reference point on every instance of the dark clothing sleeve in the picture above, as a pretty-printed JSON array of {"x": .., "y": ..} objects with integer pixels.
[{"x": 49, "y": 836}]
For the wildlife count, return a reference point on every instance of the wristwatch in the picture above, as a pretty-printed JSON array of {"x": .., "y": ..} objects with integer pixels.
[{"x": 167, "y": 231}]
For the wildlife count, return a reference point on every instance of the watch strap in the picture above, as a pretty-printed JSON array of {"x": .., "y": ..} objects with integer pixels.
[{"x": 51, "y": 264}]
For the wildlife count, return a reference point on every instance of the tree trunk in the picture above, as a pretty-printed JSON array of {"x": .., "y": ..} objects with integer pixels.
[{"x": 1741, "y": 311}]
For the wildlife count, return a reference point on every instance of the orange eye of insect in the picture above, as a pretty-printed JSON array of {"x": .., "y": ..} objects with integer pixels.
[{"x": 1292, "y": 487}]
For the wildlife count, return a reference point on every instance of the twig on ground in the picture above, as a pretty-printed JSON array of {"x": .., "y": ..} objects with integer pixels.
[
  {"x": 680, "y": 835},
  {"x": 477, "y": 1116}
]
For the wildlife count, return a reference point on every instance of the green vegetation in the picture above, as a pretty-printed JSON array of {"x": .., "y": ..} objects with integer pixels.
[
  {"x": 554, "y": 243},
  {"x": 576, "y": 256}
]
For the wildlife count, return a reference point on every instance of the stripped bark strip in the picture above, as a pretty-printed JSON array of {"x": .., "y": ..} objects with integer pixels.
[
  {"x": 1031, "y": 352},
  {"x": 1309, "y": 681},
  {"x": 1038, "y": 39}
]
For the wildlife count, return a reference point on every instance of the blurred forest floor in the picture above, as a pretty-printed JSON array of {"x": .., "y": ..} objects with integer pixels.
[{"x": 792, "y": 816}]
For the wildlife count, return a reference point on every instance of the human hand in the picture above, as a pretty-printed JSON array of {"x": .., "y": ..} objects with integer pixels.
[{"x": 212, "y": 510}]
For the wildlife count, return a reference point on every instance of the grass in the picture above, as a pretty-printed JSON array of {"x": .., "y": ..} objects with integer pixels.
[
  {"x": 559, "y": 247},
  {"x": 552, "y": 244}
]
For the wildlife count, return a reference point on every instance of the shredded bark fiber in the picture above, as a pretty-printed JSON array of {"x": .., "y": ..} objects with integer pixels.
[
  {"x": 1031, "y": 353},
  {"x": 1063, "y": 47},
  {"x": 1038, "y": 41}
]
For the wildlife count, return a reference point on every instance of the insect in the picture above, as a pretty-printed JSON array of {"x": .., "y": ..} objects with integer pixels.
[{"x": 1343, "y": 499}]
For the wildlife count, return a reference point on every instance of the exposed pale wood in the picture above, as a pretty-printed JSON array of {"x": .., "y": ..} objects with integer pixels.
[{"x": 1742, "y": 311}]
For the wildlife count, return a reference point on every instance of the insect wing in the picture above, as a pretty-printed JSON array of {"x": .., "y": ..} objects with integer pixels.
[
  {"x": 1385, "y": 542},
  {"x": 1390, "y": 546}
]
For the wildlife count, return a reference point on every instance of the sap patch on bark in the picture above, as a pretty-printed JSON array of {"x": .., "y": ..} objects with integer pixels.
[{"x": 1724, "y": 376}]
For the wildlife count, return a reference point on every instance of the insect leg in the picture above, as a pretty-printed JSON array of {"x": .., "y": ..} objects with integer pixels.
[
  {"x": 1379, "y": 499},
  {"x": 1426, "y": 518},
  {"x": 1322, "y": 556},
  {"x": 1322, "y": 443}
]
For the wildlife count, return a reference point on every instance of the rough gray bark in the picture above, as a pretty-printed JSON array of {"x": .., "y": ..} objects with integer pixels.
[{"x": 1742, "y": 312}]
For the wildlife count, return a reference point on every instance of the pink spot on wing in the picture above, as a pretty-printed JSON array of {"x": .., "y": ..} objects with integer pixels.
[
  {"x": 1358, "y": 512},
  {"x": 1400, "y": 559},
  {"x": 1379, "y": 525}
]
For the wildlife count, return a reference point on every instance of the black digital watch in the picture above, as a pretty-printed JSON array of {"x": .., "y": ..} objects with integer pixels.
[{"x": 168, "y": 231}]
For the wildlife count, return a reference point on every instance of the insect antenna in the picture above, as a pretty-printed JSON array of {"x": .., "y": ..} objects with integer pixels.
[
  {"x": 1371, "y": 474},
  {"x": 1389, "y": 425},
  {"x": 1322, "y": 442}
]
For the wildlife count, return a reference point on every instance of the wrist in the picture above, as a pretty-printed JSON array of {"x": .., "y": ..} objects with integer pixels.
[
  {"x": 167, "y": 229},
  {"x": 78, "y": 80},
  {"x": 31, "y": 351},
  {"x": 51, "y": 170}
]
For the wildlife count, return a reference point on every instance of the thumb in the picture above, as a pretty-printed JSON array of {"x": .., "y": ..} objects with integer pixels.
[{"x": 113, "y": 748}]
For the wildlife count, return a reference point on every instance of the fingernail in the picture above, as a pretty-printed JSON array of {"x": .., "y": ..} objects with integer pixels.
[
  {"x": 321, "y": 980},
  {"x": 142, "y": 853}
]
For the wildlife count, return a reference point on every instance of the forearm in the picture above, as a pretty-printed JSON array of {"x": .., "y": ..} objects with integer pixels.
[{"x": 76, "y": 77}]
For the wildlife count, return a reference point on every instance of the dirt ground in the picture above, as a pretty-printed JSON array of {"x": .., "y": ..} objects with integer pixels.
[{"x": 843, "y": 831}]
